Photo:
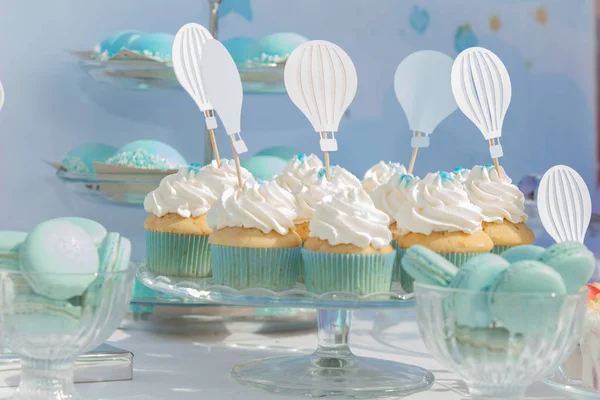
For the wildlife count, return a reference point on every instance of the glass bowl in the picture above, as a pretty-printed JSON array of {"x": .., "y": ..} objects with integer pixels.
[
  {"x": 499, "y": 360},
  {"x": 49, "y": 334}
]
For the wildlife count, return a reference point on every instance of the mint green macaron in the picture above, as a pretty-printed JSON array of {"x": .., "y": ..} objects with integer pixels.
[
  {"x": 521, "y": 298},
  {"x": 58, "y": 259},
  {"x": 428, "y": 267},
  {"x": 96, "y": 230},
  {"x": 522, "y": 253},
  {"x": 573, "y": 261}
]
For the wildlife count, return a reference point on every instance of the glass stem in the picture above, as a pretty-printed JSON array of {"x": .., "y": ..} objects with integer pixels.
[
  {"x": 334, "y": 329},
  {"x": 42, "y": 379}
]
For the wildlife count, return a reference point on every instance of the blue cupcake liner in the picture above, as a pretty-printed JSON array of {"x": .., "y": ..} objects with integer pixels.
[
  {"x": 183, "y": 256},
  {"x": 241, "y": 268},
  {"x": 407, "y": 282},
  {"x": 500, "y": 249},
  {"x": 348, "y": 273}
]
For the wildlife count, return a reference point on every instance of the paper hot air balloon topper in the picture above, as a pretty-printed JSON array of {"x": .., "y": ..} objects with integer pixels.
[
  {"x": 223, "y": 86},
  {"x": 321, "y": 80},
  {"x": 187, "y": 56},
  {"x": 482, "y": 88},
  {"x": 1, "y": 96},
  {"x": 564, "y": 204},
  {"x": 423, "y": 88}
]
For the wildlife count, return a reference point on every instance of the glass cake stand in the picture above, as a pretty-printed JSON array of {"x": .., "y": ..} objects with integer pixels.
[{"x": 332, "y": 370}]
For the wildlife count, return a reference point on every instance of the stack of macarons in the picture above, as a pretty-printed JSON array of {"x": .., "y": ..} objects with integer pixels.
[
  {"x": 561, "y": 269},
  {"x": 146, "y": 154},
  {"x": 59, "y": 258},
  {"x": 157, "y": 46}
]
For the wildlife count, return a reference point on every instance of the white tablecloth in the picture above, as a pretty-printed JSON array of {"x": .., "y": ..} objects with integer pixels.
[{"x": 196, "y": 366}]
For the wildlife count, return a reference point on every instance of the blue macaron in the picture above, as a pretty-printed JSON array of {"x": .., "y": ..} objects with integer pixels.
[
  {"x": 522, "y": 253},
  {"x": 523, "y": 299},
  {"x": 477, "y": 275},
  {"x": 427, "y": 267},
  {"x": 573, "y": 261}
]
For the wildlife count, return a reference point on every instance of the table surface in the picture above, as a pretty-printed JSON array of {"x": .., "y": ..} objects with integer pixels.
[{"x": 196, "y": 365}]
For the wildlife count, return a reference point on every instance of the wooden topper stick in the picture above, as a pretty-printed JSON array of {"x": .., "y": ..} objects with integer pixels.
[
  {"x": 326, "y": 156},
  {"x": 496, "y": 162},
  {"x": 213, "y": 142},
  {"x": 238, "y": 167},
  {"x": 413, "y": 158}
]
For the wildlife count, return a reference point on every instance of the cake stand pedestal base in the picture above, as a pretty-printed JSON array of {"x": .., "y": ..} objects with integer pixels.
[{"x": 333, "y": 370}]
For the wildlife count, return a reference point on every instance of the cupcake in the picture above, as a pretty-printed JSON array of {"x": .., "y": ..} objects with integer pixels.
[
  {"x": 253, "y": 243},
  {"x": 379, "y": 174},
  {"x": 176, "y": 229},
  {"x": 389, "y": 198},
  {"x": 590, "y": 343},
  {"x": 503, "y": 207},
  {"x": 439, "y": 216},
  {"x": 349, "y": 246}
]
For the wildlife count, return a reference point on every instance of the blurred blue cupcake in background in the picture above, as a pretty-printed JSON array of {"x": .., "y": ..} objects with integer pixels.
[
  {"x": 148, "y": 154},
  {"x": 264, "y": 167},
  {"x": 275, "y": 48},
  {"x": 113, "y": 44},
  {"x": 239, "y": 47},
  {"x": 155, "y": 45},
  {"x": 81, "y": 159}
]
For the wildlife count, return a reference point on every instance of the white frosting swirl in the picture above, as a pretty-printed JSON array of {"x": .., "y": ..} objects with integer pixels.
[
  {"x": 439, "y": 203},
  {"x": 310, "y": 196},
  {"x": 461, "y": 174},
  {"x": 301, "y": 171},
  {"x": 220, "y": 179},
  {"x": 180, "y": 193},
  {"x": 341, "y": 177},
  {"x": 266, "y": 206},
  {"x": 496, "y": 195},
  {"x": 350, "y": 217},
  {"x": 380, "y": 173},
  {"x": 390, "y": 196}
]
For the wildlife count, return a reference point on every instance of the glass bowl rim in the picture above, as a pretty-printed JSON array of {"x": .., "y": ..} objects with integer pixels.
[
  {"x": 582, "y": 293},
  {"x": 131, "y": 268}
]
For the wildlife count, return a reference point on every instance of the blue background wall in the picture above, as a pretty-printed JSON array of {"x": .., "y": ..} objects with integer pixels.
[{"x": 52, "y": 106}]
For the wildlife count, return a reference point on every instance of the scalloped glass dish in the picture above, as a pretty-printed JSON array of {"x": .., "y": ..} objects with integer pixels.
[
  {"x": 132, "y": 71},
  {"x": 332, "y": 370},
  {"x": 122, "y": 189}
]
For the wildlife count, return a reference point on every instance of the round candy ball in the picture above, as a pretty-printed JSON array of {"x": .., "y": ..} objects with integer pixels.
[
  {"x": 115, "y": 43},
  {"x": 156, "y": 45},
  {"x": 148, "y": 154}
]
